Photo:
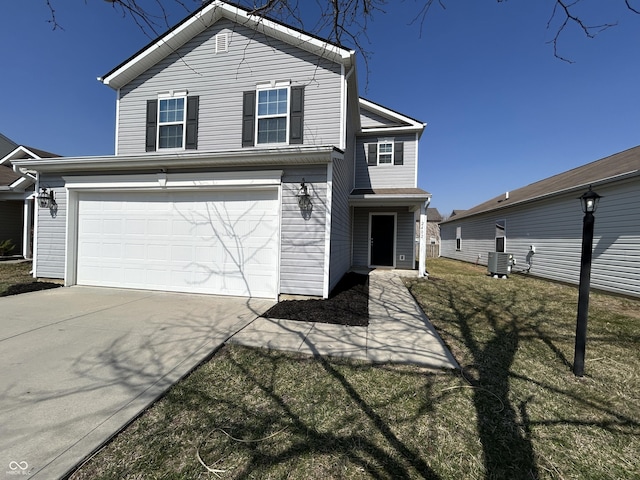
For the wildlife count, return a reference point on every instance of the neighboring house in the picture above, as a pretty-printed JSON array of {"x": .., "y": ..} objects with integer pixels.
[
  {"x": 547, "y": 216},
  {"x": 246, "y": 164},
  {"x": 17, "y": 193},
  {"x": 433, "y": 232}
]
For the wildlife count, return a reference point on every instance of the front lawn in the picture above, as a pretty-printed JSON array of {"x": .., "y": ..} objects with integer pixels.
[{"x": 515, "y": 412}]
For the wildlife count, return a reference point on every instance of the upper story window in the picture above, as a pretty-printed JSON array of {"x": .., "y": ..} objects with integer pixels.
[
  {"x": 273, "y": 106},
  {"x": 172, "y": 122},
  {"x": 273, "y": 115},
  {"x": 385, "y": 152}
]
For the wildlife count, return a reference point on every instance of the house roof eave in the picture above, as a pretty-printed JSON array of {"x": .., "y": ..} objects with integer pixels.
[
  {"x": 575, "y": 188},
  {"x": 232, "y": 158}
]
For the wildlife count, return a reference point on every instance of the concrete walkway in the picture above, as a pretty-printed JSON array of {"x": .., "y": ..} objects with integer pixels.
[
  {"x": 398, "y": 330},
  {"x": 80, "y": 363}
]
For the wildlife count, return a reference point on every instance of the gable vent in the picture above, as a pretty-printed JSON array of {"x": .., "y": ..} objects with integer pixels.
[{"x": 222, "y": 42}]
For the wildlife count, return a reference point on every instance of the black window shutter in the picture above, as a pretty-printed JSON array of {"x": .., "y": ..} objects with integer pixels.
[
  {"x": 248, "y": 118},
  {"x": 152, "y": 120},
  {"x": 192, "y": 122},
  {"x": 373, "y": 154},
  {"x": 398, "y": 153},
  {"x": 296, "y": 117}
]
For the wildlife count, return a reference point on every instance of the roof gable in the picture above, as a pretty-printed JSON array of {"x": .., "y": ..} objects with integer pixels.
[
  {"x": 6, "y": 145},
  {"x": 611, "y": 168},
  {"x": 205, "y": 17},
  {"x": 12, "y": 179},
  {"x": 378, "y": 119}
]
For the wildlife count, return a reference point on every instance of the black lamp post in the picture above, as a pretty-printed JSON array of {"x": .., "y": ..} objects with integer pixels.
[{"x": 589, "y": 204}]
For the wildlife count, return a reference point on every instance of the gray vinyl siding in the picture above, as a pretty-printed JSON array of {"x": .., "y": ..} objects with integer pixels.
[
  {"x": 50, "y": 248},
  {"x": 220, "y": 80},
  {"x": 554, "y": 227},
  {"x": 405, "y": 236},
  {"x": 372, "y": 120},
  {"x": 342, "y": 180},
  {"x": 303, "y": 239},
  {"x": 386, "y": 176},
  {"x": 11, "y": 225}
]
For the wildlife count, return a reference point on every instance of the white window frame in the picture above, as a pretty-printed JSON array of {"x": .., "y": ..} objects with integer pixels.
[
  {"x": 380, "y": 153},
  {"x": 273, "y": 86},
  {"x": 458, "y": 239},
  {"x": 172, "y": 95}
]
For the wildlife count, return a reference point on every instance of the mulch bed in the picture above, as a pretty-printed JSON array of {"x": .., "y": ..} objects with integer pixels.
[
  {"x": 28, "y": 287},
  {"x": 348, "y": 304}
]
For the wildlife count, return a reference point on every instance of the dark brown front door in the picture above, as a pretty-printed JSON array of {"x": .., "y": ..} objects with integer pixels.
[{"x": 382, "y": 240}]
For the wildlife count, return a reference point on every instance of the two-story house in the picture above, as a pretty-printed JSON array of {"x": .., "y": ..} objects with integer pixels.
[{"x": 245, "y": 164}]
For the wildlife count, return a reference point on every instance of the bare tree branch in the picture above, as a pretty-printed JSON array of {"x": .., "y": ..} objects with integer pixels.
[{"x": 339, "y": 21}]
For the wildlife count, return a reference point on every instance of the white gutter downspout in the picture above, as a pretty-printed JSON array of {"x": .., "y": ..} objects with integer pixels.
[
  {"x": 422, "y": 265},
  {"x": 344, "y": 105}
]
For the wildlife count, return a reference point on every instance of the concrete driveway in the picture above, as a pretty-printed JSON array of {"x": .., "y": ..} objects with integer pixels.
[{"x": 79, "y": 363}]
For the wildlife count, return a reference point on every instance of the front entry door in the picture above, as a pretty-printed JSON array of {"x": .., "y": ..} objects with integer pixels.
[{"x": 382, "y": 240}]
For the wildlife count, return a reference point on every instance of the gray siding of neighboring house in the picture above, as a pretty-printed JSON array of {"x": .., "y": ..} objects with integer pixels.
[
  {"x": 220, "y": 80},
  {"x": 11, "y": 224},
  {"x": 554, "y": 227},
  {"x": 405, "y": 236},
  {"x": 50, "y": 248},
  {"x": 386, "y": 176},
  {"x": 303, "y": 239}
]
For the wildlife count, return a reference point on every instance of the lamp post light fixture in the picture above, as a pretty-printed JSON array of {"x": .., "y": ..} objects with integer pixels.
[
  {"x": 46, "y": 198},
  {"x": 589, "y": 201}
]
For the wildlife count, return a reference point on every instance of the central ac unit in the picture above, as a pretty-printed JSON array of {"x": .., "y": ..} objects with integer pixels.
[{"x": 499, "y": 263}]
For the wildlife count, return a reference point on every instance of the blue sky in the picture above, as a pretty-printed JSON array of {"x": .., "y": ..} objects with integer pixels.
[{"x": 501, "y": 110}]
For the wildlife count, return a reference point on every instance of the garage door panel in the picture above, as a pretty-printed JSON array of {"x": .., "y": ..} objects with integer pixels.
[{"x": 203, "y": 242}]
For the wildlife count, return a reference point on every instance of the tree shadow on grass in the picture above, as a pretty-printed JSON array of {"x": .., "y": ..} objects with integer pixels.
[
  {"x": 391, "y": 459},
  {"x": 503, "y": 427}
]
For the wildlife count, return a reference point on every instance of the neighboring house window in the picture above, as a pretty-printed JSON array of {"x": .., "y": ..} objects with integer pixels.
[
  {"x": 272, "y": 116},
  {"x": 172, "y": 122},
  {"x": 501, "y": 235},
  {"x": 458, "y": 238},
  {"x": 385, "y": 152}
]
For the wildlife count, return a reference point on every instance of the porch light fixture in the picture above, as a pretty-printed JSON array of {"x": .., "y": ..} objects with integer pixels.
[
  {"x": 46, "y": 198},
  {"x": 589, "y": 202},
  {"x": 304, "y": 198}
]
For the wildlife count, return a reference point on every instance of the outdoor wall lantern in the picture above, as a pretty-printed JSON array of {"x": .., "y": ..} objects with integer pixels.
[
  {"x": 304, "y": 198},
  {"x": 589, "y": 201},
  {"x": 46, "y": 198}
]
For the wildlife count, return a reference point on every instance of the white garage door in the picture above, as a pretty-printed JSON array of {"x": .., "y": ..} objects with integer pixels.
[{"x": 217, "y": 242}]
